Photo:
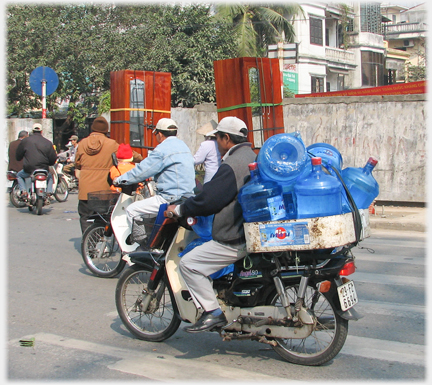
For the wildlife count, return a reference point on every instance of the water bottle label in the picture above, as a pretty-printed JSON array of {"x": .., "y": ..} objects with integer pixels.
[
  {"x": 284, "y": 234},
  {"x": 276, "y": 207}
]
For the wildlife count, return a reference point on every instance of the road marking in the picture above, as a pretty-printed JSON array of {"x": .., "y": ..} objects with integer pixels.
[
  {"x": 387, "y": 279},
  {"x": 385, "y": 350},
  {"x": 154, "y": 366}
]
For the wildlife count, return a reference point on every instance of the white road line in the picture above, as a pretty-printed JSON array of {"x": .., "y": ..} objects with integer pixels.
[
  {"x": 385, "y": 350},
  {"x": 386, "y": 279},
  {"x": 154, "y": 366}
]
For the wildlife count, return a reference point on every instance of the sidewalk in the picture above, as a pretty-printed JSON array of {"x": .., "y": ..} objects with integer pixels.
[{"x": 399, "y": 218}]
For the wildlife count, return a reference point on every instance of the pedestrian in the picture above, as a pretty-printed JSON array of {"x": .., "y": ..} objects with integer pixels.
[
  {"x": 93, "y": 161},
  {"x": 172, "y": 167},
  {"x": 36, "y": 152},
  {"x": 13, "y": 164},
  {"x": 208, "y": 152},
  {"x": 219, "y": 197}
]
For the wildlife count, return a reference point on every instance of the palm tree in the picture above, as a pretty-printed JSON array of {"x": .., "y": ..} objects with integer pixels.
[{"x": 257, "y": 26}]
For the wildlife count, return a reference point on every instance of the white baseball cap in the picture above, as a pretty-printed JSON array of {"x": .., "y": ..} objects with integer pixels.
[
  {"x": 37, "y": 127},
  {"x": 231, "y": 125},
  {"x": 166, "y": 124}
]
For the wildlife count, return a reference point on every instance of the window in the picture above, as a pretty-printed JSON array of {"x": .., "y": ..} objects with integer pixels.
[
  {"x": 317, "y": 84},
  {"x": 316, "y": 31},
  {"x": 372, "y": 68}
]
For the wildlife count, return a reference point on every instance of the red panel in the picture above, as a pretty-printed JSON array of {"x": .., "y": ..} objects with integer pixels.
[
  {"x": 233, "y": 94},
  {"x": 157, "y": 104},
  {"x": 393, "y": 89}
]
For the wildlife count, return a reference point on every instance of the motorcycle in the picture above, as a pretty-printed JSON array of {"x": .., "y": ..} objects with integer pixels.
[
  {"x": 13, "y": 190},
  {"x": 36, "y": 187},
  {"x": 297, "y": 301},
  {"x": 105, "y": 241},
  {"x": 60, "y": 184},
  {"x": 71, "y": 180}
]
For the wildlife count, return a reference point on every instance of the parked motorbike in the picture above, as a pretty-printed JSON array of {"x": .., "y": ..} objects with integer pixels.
[
  {"x": 36, "y": 187},
  {"x": 13, "y": 190},
  {"x": 298, "y": 302}
]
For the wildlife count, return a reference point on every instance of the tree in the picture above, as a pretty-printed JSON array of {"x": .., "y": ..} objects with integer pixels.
[
  {"x": 418, "y": 72},
  {"x": 84, "y": 43},
  {"x": 256, "y": 26}
]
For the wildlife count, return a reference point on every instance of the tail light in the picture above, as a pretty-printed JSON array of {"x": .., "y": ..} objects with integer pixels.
[
  {"x": 11, "y": 176},
  {"x": 40, "y": 177},
  {"x": 349, "y": 268}
]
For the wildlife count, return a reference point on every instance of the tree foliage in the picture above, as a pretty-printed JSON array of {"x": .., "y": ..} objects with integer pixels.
[
  {"x": 84, "y": 43},
  {"x": 256, "y": 26}
]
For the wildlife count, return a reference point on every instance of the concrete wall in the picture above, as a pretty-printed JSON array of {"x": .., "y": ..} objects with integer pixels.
[{"x": 391, "y": 128}]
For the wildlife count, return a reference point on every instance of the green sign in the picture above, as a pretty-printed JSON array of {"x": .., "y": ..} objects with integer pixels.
[{"x": 290, "y": 81}]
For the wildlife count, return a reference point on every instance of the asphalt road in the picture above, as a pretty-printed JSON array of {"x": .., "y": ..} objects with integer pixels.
[{"x": 71, "y": 314}]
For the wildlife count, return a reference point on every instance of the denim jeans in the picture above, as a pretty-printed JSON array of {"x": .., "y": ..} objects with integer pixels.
[{"x": 22, "y": 176}]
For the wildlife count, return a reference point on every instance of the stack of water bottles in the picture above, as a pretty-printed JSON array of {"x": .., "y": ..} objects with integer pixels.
[{"x": 290, "y": 181}]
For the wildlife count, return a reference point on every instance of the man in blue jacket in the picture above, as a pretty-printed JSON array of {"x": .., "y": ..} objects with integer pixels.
[
  {"x": 38, "y": 153},
  {"x": 219, "y": 197},
  {"x": 172, "y": 166}
]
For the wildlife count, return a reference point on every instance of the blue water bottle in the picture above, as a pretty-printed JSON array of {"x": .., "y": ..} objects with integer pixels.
[
  {"x": 318, "y": 194},
  {"x": 361, "y": 184},
  {"x": 261, "y": 200}
]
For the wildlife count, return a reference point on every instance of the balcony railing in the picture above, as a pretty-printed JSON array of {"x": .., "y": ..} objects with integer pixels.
[
  {"x": 340, "y": 55},
  {"x": 404, "y": 27}
]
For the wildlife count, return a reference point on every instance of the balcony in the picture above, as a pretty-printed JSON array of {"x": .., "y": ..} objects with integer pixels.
[
  {"x": 404, "y": 28},
  {"x": 339, "y": 56}
]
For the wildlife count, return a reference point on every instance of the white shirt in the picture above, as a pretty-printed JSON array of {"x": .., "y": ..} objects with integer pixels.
[{"x": 208, "y": 154}]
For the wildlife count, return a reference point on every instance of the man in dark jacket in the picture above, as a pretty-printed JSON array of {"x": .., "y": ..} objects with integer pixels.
[
  {"x": 219, "y": 197},
  {"x": 15, "y": 165},
  {"x": 37, "y": 153}
]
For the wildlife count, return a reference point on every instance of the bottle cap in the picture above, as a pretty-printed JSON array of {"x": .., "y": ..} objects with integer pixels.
[
  {"x": 373, "y": 161},
  {"x": 253, "y": 166},
  {"x": 191, "y": 221},
  {"x": 316, "y": 161}
]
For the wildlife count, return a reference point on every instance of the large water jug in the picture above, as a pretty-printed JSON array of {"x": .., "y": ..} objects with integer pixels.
[
  {"x": 261, "y": 200},
  {"x": 330, "y": 156},
  {"x": 282, "y": 158},
  {"x": 361, "y": 184},
  {"x": 318, "y": 194}
]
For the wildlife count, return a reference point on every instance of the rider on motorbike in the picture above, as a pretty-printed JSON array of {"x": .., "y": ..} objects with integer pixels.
[
  {"x": 70, "y": 156},
  {"x": 172, "y": 166},
  {"x": 38, "y": 153},
  {"x": 219, "y": 197}
]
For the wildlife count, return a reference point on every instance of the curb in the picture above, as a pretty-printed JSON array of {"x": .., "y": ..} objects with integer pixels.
[{"x": 399, "y": 226}]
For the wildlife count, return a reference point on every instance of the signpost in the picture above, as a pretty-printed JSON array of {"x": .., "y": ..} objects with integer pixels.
[{"x": 43, "y": 82}]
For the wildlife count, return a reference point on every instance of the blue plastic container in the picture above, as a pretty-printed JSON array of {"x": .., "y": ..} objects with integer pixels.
[
  {"x": 361, "y": 183},
  {"x": 261, "y": 200},
  {"x": 318, "y": 194},
  {"x": 328, "y": 154},
  {"x": 282, "y": 158}
]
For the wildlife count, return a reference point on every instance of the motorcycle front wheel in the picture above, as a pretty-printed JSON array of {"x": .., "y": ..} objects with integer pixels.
[
  {"x": 101, "y": 254},
  {"x": 327, "y": 338},
  {"x": 62, "y": 191},
  {"x": 158, "y": 320},
  {"x": 13, "y": 196}
]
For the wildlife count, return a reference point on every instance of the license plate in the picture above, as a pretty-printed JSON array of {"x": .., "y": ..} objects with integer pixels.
[
  {"x": 41, "y": 184},
  {"x": 9, "y": 183},
  {"x": 347, "y": 295}
]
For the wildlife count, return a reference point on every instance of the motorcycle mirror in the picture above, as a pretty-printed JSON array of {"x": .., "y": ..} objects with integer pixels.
[{"x": 114, "y": 159}]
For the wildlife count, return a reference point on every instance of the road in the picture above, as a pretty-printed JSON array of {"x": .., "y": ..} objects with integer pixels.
[{"x": 53, "y": 298}]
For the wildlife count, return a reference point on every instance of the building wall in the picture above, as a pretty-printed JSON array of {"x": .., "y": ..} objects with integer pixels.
[{"x": 391, "y": 128}]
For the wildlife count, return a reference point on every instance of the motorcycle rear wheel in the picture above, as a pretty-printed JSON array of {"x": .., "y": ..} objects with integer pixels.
[
  {"x": 325, "y": 341},
  {"x": 62, "y": 191},
  {"x": 109, "y": 263},
  {"x": 13, "y": 196},
  {"x": 159, "y": 321},
  {"x": 39, "y": 205}
]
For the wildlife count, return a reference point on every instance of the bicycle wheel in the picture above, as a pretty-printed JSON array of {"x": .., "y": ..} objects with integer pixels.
[
  {"x": 327, "y": 338},
  {"x": 158, "y": 321},
  {"x": 101, "y": 254},
  {"x": 62, "y": 191}
]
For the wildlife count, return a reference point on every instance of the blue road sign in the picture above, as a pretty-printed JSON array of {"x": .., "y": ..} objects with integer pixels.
[{"x": 41, "y": 74}]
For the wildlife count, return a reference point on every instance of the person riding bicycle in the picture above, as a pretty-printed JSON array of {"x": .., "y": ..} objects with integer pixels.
[
  {"x": 37, "y": 153},
  {"x": 171, "y": 165}
]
